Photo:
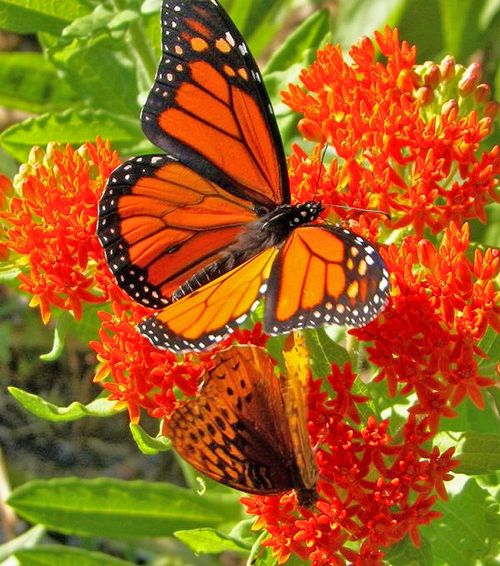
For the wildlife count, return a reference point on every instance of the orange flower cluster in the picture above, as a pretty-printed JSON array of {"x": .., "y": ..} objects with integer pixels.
[
  {"x": 405, "y": 137},
  {"x": 49, "y": 222},
  {"x": 442, "y": 305}
]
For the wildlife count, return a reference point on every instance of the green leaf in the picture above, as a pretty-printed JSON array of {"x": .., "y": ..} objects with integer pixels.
[
  {"x": 490, "y": 344},
  {"x": 99, "y": 20},
  {"x": 34, "y": 16},
  {"x": 308, "y": 35},
  {"x": 470, "y": 418},
  {"x": 405, "y": 552},
  {"x": 50, "y": 555},
  {"x": 29, "y": 82},
  {"x": 478, "y": 453},
  {"x": 460, "y": 23},
  {"x": 420, "y": 24},
  {"x": 324, "y": 351},
  {"x": 42, "y": 409},
  {"x": 468, "y": 526},
  {"x": 258, "y": 21},
  {"x": 148, "y": 444},
  {"x": 8, "y": 271},
  {"x": 356, "y": 18},
  {"x": 115, "y": 508},
  {"x": 26, "y": 540},
  {"x": 104, "y": 77},
  {"x": 211, "y": 541},
  {"x": 74, "y": 127}
]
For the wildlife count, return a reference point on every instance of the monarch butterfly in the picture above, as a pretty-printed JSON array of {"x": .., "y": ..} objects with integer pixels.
[
  {"x": 206, "y": 230},
  {"x": 247, "y": 428}
]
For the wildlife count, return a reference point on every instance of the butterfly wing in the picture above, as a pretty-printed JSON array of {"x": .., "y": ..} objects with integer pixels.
[
  {"x": 235, "y": 431},
  {"x": 161, "y": 222},
  {"x": 324, "y": 275},
  {"x": 209, "y": 108},
  {"x": 206, "y": 315},
  {"x": 294, "y": 387}
]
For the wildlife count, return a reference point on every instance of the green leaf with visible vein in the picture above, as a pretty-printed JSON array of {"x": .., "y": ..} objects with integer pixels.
[
  {"x": 34, "y": 16},
  {"x": 52, "y": 554},
  {"x": 478, "y": 453},
  {"x": 119, "y": 509},
  {"x": 324, "y": 351},
  {"x": 74, "y": 127},
  {"x": 103, "y": 76},
  {"x": 29, "y": 82},
  {"x": 468, "y": 527},
  {"x": 211, "y": 541},
  {"x": 42, "y": 409}
]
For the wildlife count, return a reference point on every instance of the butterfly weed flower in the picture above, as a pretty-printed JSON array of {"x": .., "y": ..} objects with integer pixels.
[
  {"x": 49, "y": 222},
  {"x": 406, "y": 137},
  {"x": 428, "y": 340},
  {"x": 138, "y": 376}
]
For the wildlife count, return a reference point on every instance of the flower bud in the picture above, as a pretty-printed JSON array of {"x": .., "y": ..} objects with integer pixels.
[
  {"x": 425, "y": 95},
  {"x": 310, "y": 130},
  {"x": 432, "y": 75},
  {"x": 447, "y": 68},
  {"x": 482, "y": 93},
  {"x": 470, "y": 79}
]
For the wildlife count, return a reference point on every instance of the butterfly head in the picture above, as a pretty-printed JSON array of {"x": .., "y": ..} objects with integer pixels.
[
  {"x": 304, "y": 213},
  {"x": 286, "y": 217}
]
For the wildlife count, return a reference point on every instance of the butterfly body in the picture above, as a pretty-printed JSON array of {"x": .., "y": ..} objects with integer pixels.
[
  {"x": 271, "y": 229},
  {"x": 207, "y": 230},
  {"x": 237, "y": 430}
]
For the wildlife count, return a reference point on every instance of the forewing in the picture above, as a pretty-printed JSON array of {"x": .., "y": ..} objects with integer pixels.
[
  {"x": 160, "y": 223},
  {"x": 325, "y": 275},
  {"x": 235, "y": 431},
  {"x": 209, "y": 108},
  {"x": 205, "y": 316}
]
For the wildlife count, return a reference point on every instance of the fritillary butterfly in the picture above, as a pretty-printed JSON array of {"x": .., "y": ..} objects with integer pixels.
[{"x": 248, "y": 427}]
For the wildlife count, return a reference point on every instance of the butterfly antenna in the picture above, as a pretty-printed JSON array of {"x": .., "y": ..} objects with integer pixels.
[
  {"x": 344, "y": 206},
  {"x": 371, "y": 210},
  {"x": 320, "y": 170}
]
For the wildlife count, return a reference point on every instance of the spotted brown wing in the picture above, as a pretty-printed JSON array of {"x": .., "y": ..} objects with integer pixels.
[{"x": 236, "y": 431}]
